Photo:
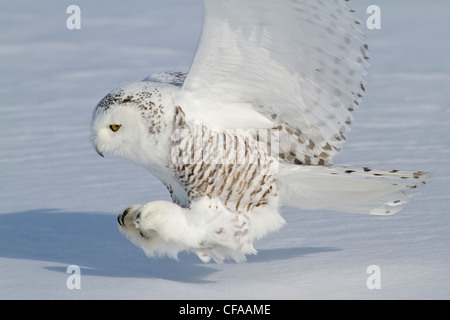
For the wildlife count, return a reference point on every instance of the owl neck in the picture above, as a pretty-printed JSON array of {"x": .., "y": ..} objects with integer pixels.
[{"x": 157, "y": 157}]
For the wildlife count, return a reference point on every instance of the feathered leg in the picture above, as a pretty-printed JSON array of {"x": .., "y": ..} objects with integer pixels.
[{"x": 211, "y": 231}]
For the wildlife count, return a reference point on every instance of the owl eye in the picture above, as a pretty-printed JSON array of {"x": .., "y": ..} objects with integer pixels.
[{"x": 115, "y": 127}]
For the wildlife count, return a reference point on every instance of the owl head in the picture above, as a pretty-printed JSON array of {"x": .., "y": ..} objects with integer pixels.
[{"x": 132, "y": 121}]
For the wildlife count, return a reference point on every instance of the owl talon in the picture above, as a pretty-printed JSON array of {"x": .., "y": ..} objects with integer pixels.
[
  {"x": 127, "y": 216},
  {"x": 121, "y": 217}
]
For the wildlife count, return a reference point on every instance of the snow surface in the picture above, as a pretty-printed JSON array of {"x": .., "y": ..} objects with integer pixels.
[{"x": 59, "y": 199}]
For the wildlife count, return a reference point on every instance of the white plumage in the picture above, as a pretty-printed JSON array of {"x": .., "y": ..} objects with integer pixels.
[{"x": 253, "y": 126}]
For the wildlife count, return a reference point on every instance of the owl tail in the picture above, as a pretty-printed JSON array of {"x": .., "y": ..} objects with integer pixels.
[{"x": 357, "y": 190}]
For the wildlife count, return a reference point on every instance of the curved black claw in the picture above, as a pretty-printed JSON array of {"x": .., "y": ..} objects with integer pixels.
[{"x": 121, "y": 217}]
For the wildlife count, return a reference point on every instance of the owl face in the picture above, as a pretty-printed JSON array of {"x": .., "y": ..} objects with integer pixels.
[
  {"x": 117, "y": 130},
  {"x": 132, "y": 121}
]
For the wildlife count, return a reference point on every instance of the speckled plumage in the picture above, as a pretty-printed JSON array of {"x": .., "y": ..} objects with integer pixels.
[
  {"x": 243, "y": 176},
  {"x": 254, "y": 125}
]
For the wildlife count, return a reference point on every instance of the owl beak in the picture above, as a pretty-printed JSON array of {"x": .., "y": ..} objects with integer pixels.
[{"x": 98, "y": 151}]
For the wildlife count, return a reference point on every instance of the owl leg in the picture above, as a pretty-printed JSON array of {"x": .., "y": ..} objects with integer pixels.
[
  {"x": 170, "y": 221},
  {"x": 161, "y": 227}
]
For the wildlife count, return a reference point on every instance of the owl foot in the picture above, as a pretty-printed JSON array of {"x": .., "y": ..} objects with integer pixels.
[
  {"x": 129, "y": 222},
  {"x": 162, "y": 227},
  {"x": 159, "y": 218},
  {"x": 121, "y": 217}
]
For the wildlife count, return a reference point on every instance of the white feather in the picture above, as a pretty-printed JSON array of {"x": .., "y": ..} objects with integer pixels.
[{"x": 357, "y": 190}]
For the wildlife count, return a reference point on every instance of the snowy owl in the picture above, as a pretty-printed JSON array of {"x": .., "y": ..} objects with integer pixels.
[{"x": 253, "y": 126}]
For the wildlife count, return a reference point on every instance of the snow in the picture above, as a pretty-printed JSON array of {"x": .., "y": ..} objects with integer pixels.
[{"x": 59, "y": 200}]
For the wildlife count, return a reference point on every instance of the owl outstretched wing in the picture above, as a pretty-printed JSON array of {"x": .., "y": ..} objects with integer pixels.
[
  {"x": 297, "y": 66},
  {"x": 175, "y": 78}
]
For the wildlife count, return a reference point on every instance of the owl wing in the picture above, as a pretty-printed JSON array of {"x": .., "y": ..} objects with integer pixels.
[
  {"x": 173, "y": 78},
  {"x": 297, "y": 66}
]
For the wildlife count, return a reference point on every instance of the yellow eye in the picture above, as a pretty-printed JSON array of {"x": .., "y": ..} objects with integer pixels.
[{"x": 115, "y": 127}]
